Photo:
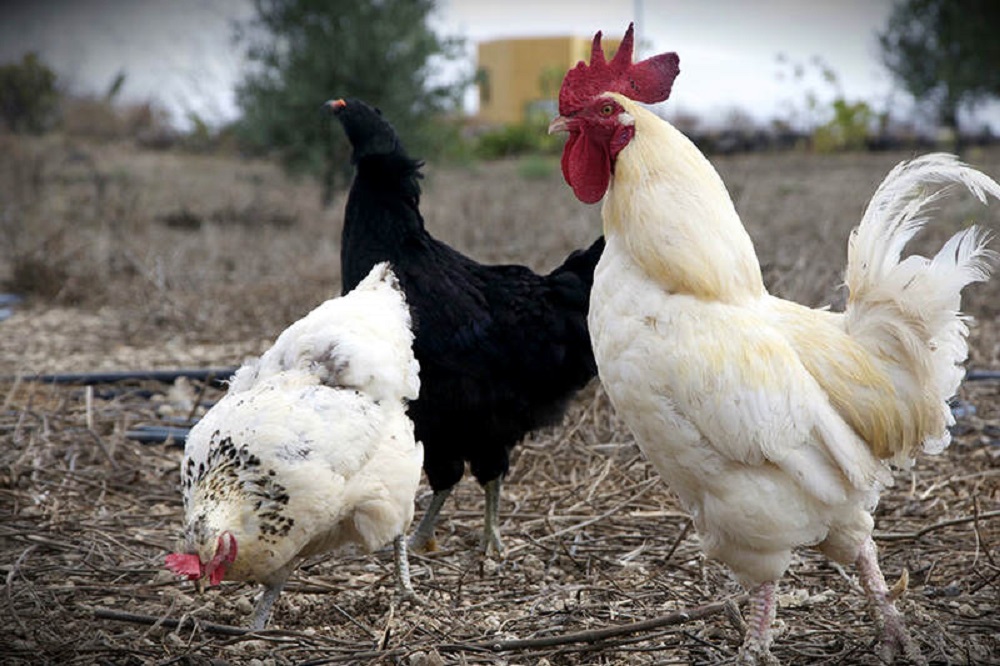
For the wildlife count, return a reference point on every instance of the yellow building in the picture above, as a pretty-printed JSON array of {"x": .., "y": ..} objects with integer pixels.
[{"x": 516, "y": 76}]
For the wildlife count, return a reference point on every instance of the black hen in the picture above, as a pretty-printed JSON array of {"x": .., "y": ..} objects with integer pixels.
[{"x": 501, "y": 349}]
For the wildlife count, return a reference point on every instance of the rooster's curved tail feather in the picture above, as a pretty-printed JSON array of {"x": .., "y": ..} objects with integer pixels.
[{"x": 907, "y": 311}]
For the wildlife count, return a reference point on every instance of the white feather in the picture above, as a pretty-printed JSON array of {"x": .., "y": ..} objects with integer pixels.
[{"x": 908, "y": 310}]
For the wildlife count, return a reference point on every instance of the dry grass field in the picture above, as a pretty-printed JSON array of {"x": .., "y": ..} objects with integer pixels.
[{"x": 140, "y": 260}]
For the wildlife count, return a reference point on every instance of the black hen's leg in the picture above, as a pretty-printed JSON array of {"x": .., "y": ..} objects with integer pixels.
[
  {"x": 491, "y": 527},
  {"x": 423, "y": 540}
]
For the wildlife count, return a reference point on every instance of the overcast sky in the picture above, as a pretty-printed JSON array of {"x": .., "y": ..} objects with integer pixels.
[{"x": 181, "y": 52}]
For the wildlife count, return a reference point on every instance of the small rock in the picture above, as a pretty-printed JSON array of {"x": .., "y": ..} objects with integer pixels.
[
  {"x": 489, "y": 566},
  {"x": 421, "y": 658},
  {"x": 793, "y": 599},
  {"x": 492, "y": 622}
]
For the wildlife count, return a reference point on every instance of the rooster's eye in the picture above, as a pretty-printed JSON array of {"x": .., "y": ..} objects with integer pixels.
[{"x": 607, "y": 110}]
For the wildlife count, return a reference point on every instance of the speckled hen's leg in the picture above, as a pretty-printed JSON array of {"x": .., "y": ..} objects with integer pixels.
[
  {"x": 262, "y": 611},
  {"x": 403, "y": 583},
  {"x": 422, "y": 540},
  {"x": 756, "y": 648},
  {"x": 491, "y": 526},
  {"x": 895, "y": 637}
]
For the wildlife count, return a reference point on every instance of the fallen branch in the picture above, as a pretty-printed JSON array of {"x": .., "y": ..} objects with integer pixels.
[
  {"x": 168, "y": 622},
  {"x": 913, "y": 536},
  {"x": 217, "y": 376},
  {"x": 595, "y": 635}
]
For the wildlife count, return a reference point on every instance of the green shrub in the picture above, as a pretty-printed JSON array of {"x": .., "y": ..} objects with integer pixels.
[
  {"x": 506, "y": 141},
  {"x": 847, "y": 130},
  {"x": 28, "y": 95},
  {"x": 528, "y": 137}
]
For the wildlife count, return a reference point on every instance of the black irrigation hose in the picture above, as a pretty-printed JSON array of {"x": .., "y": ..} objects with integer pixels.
[
  {"x": 158, "y": 434},
  {"x": 982, "y": 375},
  {"x": 217, "y": 376}
]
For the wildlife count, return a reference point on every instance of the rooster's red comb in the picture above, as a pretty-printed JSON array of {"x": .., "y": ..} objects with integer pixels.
[{"x": 648, "y": 81}]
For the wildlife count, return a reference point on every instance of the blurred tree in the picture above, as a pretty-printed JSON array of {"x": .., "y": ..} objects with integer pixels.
[
  {"x": 28, "y": 95},
  {"x": 303, "y": 52},
  {"x": 946, "y": 53}
]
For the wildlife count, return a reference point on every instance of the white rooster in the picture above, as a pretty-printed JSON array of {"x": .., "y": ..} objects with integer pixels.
[
  {"x": 311, "y": 448},
  {"x": 774, "y": 423}
]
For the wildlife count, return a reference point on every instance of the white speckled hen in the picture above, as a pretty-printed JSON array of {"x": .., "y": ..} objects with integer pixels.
[{"x": 311, "y": 448}]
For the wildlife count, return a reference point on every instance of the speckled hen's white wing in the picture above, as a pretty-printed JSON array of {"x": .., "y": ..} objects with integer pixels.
[
  {"x": 362, "y": 340},
  {"x": 288, "y": 420}
]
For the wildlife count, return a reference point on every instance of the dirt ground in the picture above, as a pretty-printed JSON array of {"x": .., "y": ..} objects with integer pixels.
[{"x": 159, "y": 260}]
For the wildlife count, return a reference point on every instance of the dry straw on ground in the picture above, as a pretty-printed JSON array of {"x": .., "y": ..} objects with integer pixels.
[{"x": 167, "y": 261}]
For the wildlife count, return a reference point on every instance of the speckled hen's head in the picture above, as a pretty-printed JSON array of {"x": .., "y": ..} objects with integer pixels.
[
  {"x": 599, "y": 127},
  {"x": 209, "y": 561}
]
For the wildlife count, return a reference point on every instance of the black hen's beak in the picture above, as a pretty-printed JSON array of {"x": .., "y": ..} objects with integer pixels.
[{"x": 334, "y": 105}]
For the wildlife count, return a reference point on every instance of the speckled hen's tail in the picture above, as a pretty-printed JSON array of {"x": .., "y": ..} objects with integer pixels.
[
  {"x": 362, "y": 340},
  {"x": 906, "y": 311}
]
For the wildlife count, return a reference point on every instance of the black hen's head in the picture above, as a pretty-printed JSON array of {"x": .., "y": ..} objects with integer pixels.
[{"x": 369, "y": 133}]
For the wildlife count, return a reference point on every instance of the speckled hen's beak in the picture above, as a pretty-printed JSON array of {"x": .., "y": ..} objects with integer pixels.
[{"x": 559, "y": 124}]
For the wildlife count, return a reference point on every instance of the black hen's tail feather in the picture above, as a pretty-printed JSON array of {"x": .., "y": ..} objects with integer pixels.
[
  {"x": 575, "y": 276},
  {"x": 582, "y": 262}
]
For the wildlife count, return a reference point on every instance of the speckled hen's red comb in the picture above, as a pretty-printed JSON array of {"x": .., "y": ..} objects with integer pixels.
[
  {"x": 648, "y": 81},
  {"x": 185, "y": 564}
]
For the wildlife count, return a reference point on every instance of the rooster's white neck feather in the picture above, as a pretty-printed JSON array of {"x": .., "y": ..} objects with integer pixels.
[{"x": 672, "y": 211}]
